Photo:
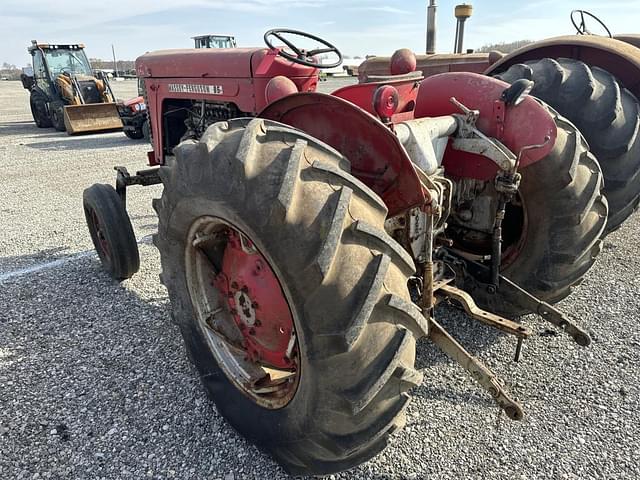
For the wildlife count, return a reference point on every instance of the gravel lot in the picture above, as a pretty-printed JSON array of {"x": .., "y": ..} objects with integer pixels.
[{"x": 95, "y": 383}]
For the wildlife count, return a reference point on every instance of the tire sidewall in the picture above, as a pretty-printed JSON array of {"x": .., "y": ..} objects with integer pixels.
[
  {"x": 37, "y": 102},
  {"x": 253, "y": 421},
  {"x": 124, "y": 258}
]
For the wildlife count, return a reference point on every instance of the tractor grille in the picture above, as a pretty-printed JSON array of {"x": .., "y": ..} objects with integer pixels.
[{"x": 89, "y": 91}]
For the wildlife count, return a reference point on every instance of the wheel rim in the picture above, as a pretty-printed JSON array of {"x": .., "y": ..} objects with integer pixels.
[
  {"x": 242, "y": 312},
  {"x": 102, "y": 244}
]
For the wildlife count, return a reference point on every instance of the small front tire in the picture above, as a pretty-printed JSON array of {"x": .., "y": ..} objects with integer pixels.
[{"x": 111, "y": 231}]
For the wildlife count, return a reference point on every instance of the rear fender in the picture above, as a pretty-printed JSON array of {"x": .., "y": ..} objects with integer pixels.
[
  {"x": 377, "y": 158},
  {"x": 528, "y": 123}
]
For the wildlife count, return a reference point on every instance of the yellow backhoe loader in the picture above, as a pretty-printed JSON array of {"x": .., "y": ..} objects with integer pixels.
[{"x": 65, "y": 92}]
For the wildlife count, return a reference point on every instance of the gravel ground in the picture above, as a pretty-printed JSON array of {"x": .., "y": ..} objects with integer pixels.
[{"x": 95, "y": 383}]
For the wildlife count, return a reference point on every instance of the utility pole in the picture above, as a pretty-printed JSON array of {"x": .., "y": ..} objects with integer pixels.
[{"x": 115, "y": 63}]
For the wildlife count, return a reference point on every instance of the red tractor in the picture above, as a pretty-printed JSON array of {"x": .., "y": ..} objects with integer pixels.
[{"x": 306, "y": 238}]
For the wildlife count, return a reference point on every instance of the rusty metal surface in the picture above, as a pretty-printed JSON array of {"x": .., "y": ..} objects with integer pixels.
[
  {"x": 618, "y": 57},
  {"x": 475, "y": 312},
  {"x": 478, "y": 371},
  {"x": 376, "y": 155},
  {"x": 430, "y": 64}
]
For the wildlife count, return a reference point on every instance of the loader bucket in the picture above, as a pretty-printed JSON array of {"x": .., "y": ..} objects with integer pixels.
[{"x": 91, "y": 117}]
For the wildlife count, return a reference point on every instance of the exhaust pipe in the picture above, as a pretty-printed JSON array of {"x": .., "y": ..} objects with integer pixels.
[
  {"x": 462, "y": 12},
  {"x": 431, "y": 27}
]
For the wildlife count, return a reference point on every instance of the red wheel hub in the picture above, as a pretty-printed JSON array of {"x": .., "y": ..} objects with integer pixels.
[
  {"x": 104, "y": 245},
  {"x": 257, "y": 303}
]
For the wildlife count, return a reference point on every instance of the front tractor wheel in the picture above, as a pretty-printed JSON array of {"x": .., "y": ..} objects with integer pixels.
[
  {"x": 111, "y": 231},
  {"x": 57, "y": 116},
  {"x": 291, "y": 298},
  {"x": 134, "y": 134}
]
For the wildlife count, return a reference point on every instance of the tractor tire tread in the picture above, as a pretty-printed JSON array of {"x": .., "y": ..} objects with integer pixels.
[
  {"x": 348, "y": 280},
  {"x": 607, "y": 114}
]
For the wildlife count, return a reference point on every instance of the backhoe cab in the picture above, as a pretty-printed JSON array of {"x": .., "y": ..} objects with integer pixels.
[
  {"x": 66, "y": 94},
  {"x": 214, "y": 41}
]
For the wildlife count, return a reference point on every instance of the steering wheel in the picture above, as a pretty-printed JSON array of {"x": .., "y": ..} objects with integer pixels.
[
  {"x": 582, "y": 28},
  {"x": 302, "y": 56}
]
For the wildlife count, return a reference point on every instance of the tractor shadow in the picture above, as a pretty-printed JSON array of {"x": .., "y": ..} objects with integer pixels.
[
  {"x": 118, "y": 355},
  {"x": 60, "y": 141},
  {"x": 26, "y": 127},
  {"x": 145, "y": 228},
  {"x": 88, "y": 142},
  {"x": 94, "y": 357},
  {"x": 19, "y": 262}
]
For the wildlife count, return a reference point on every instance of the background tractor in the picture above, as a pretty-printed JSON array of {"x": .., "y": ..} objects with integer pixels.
[
  {"x": 214, "y": 41},
  {"x": 306, "y": 238},
  {"x": 591, "y": 78},
  {"x": 66, "y": 94}
]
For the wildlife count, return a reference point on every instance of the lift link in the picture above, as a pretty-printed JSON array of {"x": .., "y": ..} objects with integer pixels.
[
  {"x": 548, "y": 313},
  {"x": 518, "y": 296},
  {"x": 480, "y": 373},
  {"x": 475, "y": 312}
]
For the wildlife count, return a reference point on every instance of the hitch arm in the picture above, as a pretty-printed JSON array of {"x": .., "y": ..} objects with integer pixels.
[
  {"x": 520, "y": 297},
  {"x": 475, "y": 312},
  {"x": 143, "y": 177},
  {"x": 480, "y": 373},
  {"x": 547, "y": 312}
]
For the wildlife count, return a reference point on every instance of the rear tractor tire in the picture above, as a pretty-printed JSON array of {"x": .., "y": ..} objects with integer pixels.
[
  {"x": 310, "y": 352},
  {"x": 111, "y": 231},
  {"x": 607, "y": 114},
  {"x": 562, "y": 213},
  {"x": 38, "y": 104}
]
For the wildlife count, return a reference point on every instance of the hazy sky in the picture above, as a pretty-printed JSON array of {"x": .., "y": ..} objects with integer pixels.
[{"x": 357, "y": 27}]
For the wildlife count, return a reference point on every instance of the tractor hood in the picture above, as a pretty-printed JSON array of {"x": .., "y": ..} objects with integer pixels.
[{"x": 216, "y": 63}]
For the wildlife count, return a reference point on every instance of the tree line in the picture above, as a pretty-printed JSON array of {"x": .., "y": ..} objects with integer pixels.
[{"x": 9, "y": 71}]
